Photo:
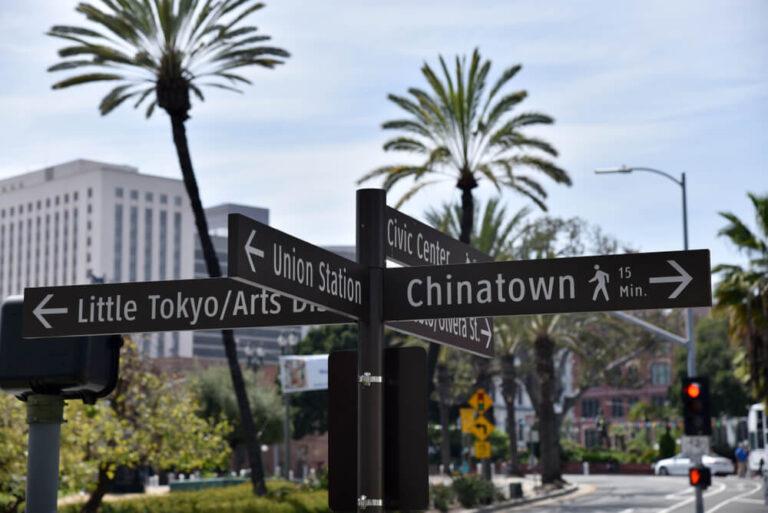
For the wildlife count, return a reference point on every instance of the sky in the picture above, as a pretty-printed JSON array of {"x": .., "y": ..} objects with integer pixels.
[{"x": 679, "y": 86}]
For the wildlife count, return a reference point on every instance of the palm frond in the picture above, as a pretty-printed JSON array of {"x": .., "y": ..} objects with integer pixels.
[
  {"x": 84, "y": 79},
  {"x": 412, "y": 192},
  {"x": 739, "y": 233}
]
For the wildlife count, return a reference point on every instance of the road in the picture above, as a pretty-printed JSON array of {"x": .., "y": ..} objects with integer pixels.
[{"x": 653, "y": 494}]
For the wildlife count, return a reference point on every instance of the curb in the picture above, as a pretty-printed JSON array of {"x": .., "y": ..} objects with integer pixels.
[{"x": 520, "y": 502}]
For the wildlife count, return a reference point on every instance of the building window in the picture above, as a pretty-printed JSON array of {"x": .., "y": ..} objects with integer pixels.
[
  {"x": 90, "y": 192},
  {"x": 118, "y": 192},
  {"x": 118, "y": 248},
  {"x": 617, "y": 407},
  {"x": 148, "y": 244},
  {"x": 175, "y": 347},
  {"x": 177, "y": 201},
  {"x": 74, "y": 245},
  {"x": 590, "y": 407},
  {"x": 660, "y": 374},
  {"x": 176, "y": 245},
  {"x": 163, "y": 245},
  {"x": 64, "y": 240},
  {"x": 658, "y": 401},
  {"x": 149, "y": 197},
  {"x": 163, "y": 199},
  {"x": 591, "y": 438},
  {"x": 134, "y": 195},
  {"x": 133, "y": 243}
]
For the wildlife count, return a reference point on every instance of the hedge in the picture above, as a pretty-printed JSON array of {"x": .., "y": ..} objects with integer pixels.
[{"x": 280, "y": 498}]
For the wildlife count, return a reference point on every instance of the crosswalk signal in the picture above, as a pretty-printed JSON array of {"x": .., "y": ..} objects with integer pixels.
[
  {"x": 696, "y": 407},
  {"x": 700, "y": 476}
]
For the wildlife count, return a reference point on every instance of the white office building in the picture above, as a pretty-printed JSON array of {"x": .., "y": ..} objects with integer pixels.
[{"x": 84, "y": 220}]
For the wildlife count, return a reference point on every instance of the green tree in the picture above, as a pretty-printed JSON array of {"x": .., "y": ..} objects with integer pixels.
[
  {"x": 714, "y": 358},
  {"x": 160, "y": 52},
  {"x": 13, "y": 460},
  {"x": 143, "y": 422},
  {"x": 743, "y": 292},
  {"x": 464, "y": 129},
  {"x": 217, "y": 400}
]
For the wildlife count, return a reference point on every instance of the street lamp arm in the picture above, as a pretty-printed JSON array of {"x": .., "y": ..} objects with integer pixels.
[{"x": 658, "y": 172}]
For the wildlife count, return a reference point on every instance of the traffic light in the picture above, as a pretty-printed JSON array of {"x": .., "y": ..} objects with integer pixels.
[
  {"x": 700, "y": 476},
  {"x": 696, "y": 407}
]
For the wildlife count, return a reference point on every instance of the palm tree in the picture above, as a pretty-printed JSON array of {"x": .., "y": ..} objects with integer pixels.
[
  {"x": 464, "y": 131},
  {"x": 158, "y": 53},
  {"x": 743, "y": 292},
  {"x": 509, "y": 339},
  {"x": 496, "y": 233}
]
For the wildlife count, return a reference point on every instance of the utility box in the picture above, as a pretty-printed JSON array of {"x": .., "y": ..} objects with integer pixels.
[{"x": 74, "y": 367}]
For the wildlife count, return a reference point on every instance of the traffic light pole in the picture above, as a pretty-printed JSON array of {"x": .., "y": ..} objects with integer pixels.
[
  {"x": 371, "y": 253},
  {"x": 44, "y": 416}
]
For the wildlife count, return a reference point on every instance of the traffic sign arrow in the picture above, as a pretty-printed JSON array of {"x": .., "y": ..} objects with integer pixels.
[
  {"x": 40, "y": 311},
  {"x": 251, "y": 251},
  {"x": 487, "y": 332},
  {"x": 683, "y": 278}
]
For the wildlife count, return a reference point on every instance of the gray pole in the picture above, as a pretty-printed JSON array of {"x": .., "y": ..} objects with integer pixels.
[
  {"x": 691, "y": 357},
  {"x": 371, "y": 204},
  {"x": 44, "y": 416},
  {"x": 286, "y": 427}
]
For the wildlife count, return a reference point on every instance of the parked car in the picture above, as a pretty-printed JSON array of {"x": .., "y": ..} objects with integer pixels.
[{"x": 679, "y": 464}]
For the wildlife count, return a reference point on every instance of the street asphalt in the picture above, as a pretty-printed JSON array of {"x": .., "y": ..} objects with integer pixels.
[{"x": 653, "y": 494}]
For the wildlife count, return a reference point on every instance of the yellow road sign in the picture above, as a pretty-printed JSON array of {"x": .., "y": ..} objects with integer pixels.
[
  {"x": 482, "y": 450},
  {"x": 481, "y": 428},
  {"x": 480, "y": 400},
  {"x": 467, "y": 418}
]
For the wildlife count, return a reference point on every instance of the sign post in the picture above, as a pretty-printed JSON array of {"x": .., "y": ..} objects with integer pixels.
[{"x": 371, "y": 205}]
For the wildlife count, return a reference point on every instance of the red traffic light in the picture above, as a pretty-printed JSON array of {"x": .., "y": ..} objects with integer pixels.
[
  {"x": 693, "y": 390},
  {"x": 700, "y": 476},
  {"x": 694, "y": 476}
]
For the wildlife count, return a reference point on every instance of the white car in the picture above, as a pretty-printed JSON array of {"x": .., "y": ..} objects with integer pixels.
[{"x": 679, "y": 464}]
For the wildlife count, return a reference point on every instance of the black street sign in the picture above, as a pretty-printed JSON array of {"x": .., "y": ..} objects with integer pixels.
[
  {"x": 262, "y": 256},
  {"x": 413, "y": 243},
  {"x": 634, "y": 281},
  {"x": 180, "y": 305}
]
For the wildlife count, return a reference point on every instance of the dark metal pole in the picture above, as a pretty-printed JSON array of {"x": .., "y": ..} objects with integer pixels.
[
  {"x": 44, "y": 416},
  {"x": 371, "y": 208}
]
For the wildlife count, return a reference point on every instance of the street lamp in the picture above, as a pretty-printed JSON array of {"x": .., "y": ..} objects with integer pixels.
[
  {"x": 691, "y": 359},
  {"x": 286, "y": 343}
]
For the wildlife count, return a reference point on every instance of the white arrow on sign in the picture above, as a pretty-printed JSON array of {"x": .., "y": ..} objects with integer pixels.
[
  {"x": 40, "y": 311},
  {"x": 487, "y": 332},
  {"x": 250, "y": 251},
  {"x": 683, "y": 278}
]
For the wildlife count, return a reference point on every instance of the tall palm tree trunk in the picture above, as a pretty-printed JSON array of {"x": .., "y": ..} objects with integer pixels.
[
  {"x": 214, "y": 271},
  {"x": 549, "y": 447},
  {"x": 509, "y": 390},
  {"x": 443, "y": 390}
]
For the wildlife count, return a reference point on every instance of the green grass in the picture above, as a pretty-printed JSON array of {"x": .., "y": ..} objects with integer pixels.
[{"x": 281, "y": 497}]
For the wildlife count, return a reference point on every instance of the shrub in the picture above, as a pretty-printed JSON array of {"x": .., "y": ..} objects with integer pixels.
[
  {"x": 281, "y": 498},
  {"x": 473, "y": 491},
  {"x": 442, "y": 497}
]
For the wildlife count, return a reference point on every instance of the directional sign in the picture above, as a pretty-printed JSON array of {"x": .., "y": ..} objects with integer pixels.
[
  {"x": 180, "y": 305},
  {"x": 262, "y": 256},
  {"x": 481, "y": 401},
  {"x": 481, "y": 428},
  {"x": 634, "y": 281},
  {"x": 413, "y": 243},
  {"x": 467, "y": 418},
  {"x": 482, "y": 450}
]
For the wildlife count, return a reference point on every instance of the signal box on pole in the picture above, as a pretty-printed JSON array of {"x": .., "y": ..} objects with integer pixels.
[{"x": 696, "y": 407}]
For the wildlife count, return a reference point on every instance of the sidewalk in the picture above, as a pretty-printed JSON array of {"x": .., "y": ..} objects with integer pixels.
[{"x": 531, "y": 485}]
